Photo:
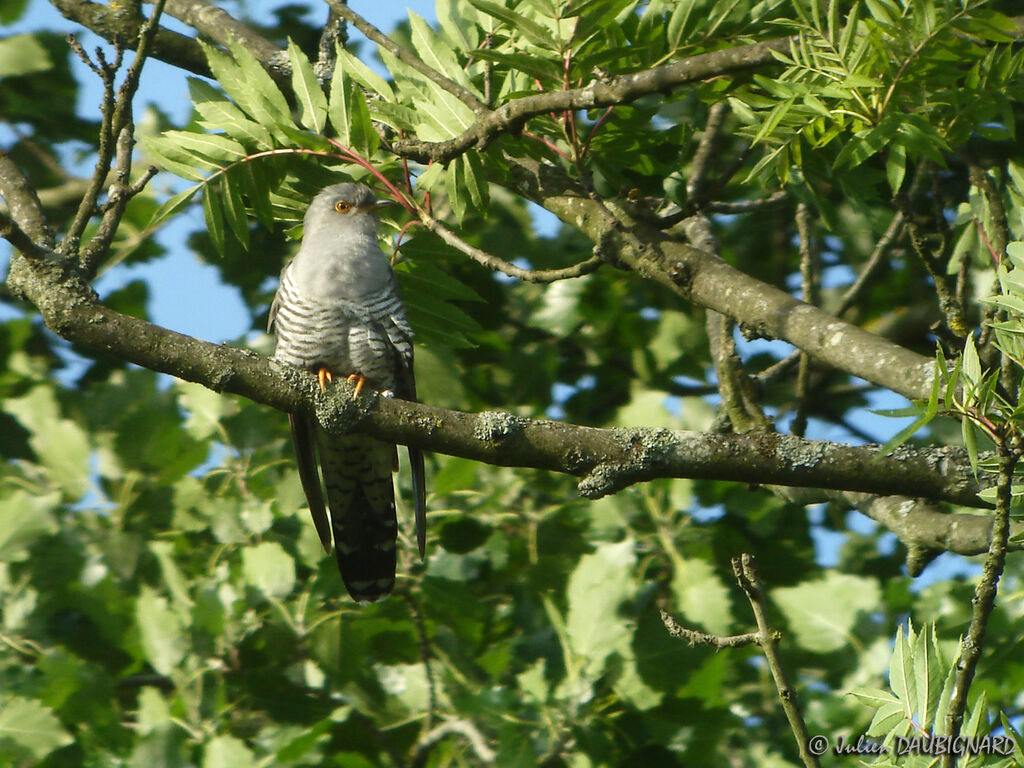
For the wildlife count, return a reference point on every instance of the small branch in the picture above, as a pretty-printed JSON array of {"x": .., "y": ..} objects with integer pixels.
[
  {"x": 16, "y": 236},
  {"x": 738, "y": 395},
  {"x": 462, "y": 728},
  {"x": 408, "y": 58},
  {"x": 23, "y": 206},
  {"x": 774, "y": 200},
  {"x": 809, "y": 290},
  {"x": 878, "y": 255},
  {"x": 984, "y": 599},
  {"x": 701, "y": 164},
  {"x": 622, "y": 89},
  {"x": 933, "y": 263},
  {"x": 746, "y": 575},
  {"x": 695, "y": 637},
  {"x": 497, "y": 264}
]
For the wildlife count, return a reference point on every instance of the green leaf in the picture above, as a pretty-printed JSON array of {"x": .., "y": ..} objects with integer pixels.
[
  {"x": 544, "y": 69},
  {"x": 700, "y": 595},
  {"x": 455, "y": 186},
  {"x": 162, "y": 632},
  {"x": 476, "y": 181},
  {"x": 597, "y": 587},
  {"x": 234, "y": 208},
  {"x": 268, "y": 568},
  {"x": 680, "y": 23},
  {"x": 972, "y": 363},
  {"x": 31, "y": 726},
  {"x": 171, "y": 574},
  {"x": 896, "y": 166},
  {"x": 822, "y": 613},
  {"x": 227, "y": 752},
  {"x": 205, "y": 408},
  {"x": 61, "y": 445},
  {"x": 261, "y": 84},
  {"x": 970, "y": 437},
  {"x": 901, "y": 670},
  {"x": 24, "y": 519},
  {"x": 22, "y": 55},
  {"x": 362, "y": 74},
  {"x": 213, "y": 213},
  {"x": 220, "y": 114},
  {"x": 173, "y": 206},
  {"x": 906, "y": 433},
  {"x": 254, "y": 96},
  {"x": 530, "y": 29},
  {"x": 437, "y": 54},
  {"x": 350, "y": 115},
  {"x": 307, "y": 90},
  {"x": 174, "y": 159},
  {"x": 929, "y": 672},
  {"x": 256, "y": 187}
]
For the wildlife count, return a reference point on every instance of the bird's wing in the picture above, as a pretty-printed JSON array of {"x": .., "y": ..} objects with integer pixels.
[
  {"x": 304, "y": 440},
  {"x": 399, "y": 335},
  {"x": 276, "y": 303}
]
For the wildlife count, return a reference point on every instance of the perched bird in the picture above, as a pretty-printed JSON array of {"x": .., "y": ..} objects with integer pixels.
[{"x": 337, "y": 312}]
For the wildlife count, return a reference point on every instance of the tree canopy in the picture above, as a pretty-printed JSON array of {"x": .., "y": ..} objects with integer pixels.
[{"x": 661, "y": 528}]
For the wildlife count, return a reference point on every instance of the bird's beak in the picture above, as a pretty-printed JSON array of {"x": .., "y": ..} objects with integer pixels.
[{"x": 387, "y": 202}]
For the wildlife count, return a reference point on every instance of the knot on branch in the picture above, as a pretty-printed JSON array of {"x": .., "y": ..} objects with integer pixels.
[
  {"x": 644, "y": 452},
  {"x": 492, "y": 426}
]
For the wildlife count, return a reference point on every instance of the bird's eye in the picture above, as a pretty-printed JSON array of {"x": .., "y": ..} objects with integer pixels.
[{"x": 342, "y": 206}]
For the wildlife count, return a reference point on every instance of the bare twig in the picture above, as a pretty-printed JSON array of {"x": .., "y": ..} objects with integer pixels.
[
  {"x": 463, "y": 728},
  {"x": 984, "y": 599},
  {"x": 746, "y": 575},
  {"x": 497, "y": 264},
  {"x": 877, "y": 257},
  {"x": 809, "y": 288},
  {"x": 701, "y": 164},
  {"x": 695, "y": 637},
  {"x": 774, "y": 200},
  {"x": 933, "y": 263}
]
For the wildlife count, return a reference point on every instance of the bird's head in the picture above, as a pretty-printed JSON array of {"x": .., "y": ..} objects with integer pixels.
[{"x": 343, "y": 209}]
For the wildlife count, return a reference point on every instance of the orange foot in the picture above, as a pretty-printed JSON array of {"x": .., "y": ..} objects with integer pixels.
[
  {"x": 360, "y": 380},
  {"x": 323, "y": 375}
]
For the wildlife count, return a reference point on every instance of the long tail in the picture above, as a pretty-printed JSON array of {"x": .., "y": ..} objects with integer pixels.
[{"x": 361, "y": 496}]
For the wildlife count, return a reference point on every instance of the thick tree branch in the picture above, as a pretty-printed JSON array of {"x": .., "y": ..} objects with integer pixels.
[
  {"x": 694, "y": 274},
  {"x": 622, "y": 89},
  {"x": 605, "y": 460},
  {"x": 221, "y": 27},
  {"x": 123, "y": 28}
]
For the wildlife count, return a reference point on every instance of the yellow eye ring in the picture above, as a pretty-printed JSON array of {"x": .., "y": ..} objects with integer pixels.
[{"x": 342, "y": 206}]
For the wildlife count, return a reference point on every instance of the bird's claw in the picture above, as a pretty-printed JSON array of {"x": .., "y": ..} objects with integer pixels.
[
  {"x": 359, "y": 380},
  {"x": 324, "y": 377}
]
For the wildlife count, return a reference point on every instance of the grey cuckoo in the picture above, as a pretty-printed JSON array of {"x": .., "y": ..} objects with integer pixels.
[{"x": 337, "y": 312}]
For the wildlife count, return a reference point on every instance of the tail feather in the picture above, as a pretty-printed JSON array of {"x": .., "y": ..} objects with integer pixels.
[{"x": 361, "y": 496}]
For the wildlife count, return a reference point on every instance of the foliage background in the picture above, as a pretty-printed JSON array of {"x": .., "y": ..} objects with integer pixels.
[{"x": 165, "y": 601}]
